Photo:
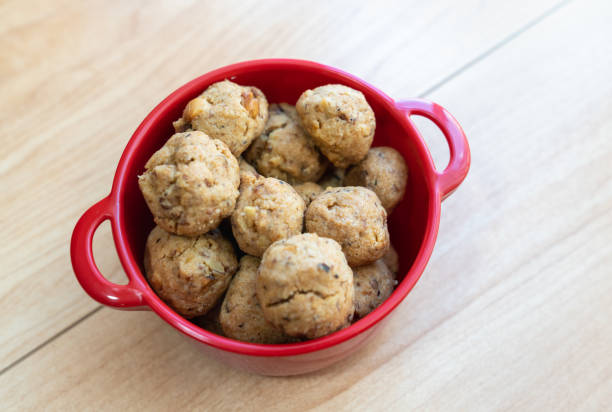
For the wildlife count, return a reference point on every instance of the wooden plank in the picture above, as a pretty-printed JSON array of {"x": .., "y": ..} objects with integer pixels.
[
  {"x": 513, "y": 311},
  {"x": 77, "y": 78}
]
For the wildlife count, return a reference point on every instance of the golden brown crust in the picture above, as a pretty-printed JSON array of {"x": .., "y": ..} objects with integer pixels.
[
  {"x": 354, "y": 217},
  {"x": 266, "y": 211},
  {"x": 305, "y": 286},
  {"x": 383, "y": 171},
  {"x": 190, "y": 184},
  {"x": 284, "y": 150},
  {"x": 374, "y": 283},
  {"x": 340, "y": 121},
  {"x": 229, "y": 112},
  {"x": 241, "y": 316},
  {"x": 189, "y": 274}
]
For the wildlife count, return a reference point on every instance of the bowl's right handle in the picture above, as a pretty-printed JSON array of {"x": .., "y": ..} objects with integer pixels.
[
  {"x": 459, "y": 162},
  {"x": 84, "y": 265}
]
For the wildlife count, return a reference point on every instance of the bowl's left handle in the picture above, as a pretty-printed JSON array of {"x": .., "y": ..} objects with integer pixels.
[{"x": 84, "y": 265}]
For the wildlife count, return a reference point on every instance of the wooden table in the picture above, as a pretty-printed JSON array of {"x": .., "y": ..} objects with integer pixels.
[{"x": 514, "y": 310}]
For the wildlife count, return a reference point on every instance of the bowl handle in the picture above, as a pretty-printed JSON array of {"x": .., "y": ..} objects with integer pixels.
[
  {"x": 85, "y": 269},
  {"x": 459, "y": 162}
]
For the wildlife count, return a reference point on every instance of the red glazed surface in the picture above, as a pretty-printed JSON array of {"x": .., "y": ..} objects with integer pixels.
[{"x": 413, "y": 224}]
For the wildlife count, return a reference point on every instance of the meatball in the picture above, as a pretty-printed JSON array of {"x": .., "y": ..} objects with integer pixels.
[
  {"x": 229, "y": 112},
  {"x": 284, "y": 150},
  {"x": 191, "y": 184},
  {"x": 267, "y": 210},
  {"x": 189, "y": 274},
  {"x": 373, "y": 284},
  {"x": 384, "y": 171},
  {"x": 354, "y": 217},
  {"x": 305, "y": 286},
  {"x": 241, "y": 316},
  {"x": 340, "y": 121}
]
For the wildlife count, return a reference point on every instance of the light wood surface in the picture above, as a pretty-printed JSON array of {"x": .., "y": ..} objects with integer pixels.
[{"x": 513, "y": 310}]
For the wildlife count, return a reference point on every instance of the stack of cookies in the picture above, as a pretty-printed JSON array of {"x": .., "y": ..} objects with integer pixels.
[{"x": 295, "y": 192}]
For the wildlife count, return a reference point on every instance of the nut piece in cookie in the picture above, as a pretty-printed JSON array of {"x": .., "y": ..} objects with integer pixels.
[
  {"x": 190, "y": 184},
  {"x": 189, "y": 274},
  {"x": 383, "y": 171},
  {"x": 308, "y": 191},
  {"x": 284, "y": 150},
  {"x": 340, "y": 121},
  {"x": 229, "y": 112},
  {"x": 373, "y": 284},
  {"x": 266, "y": 211},
  {"x": 241, "y": 316},
  {"x": 305, "y": 286},
  {"x": 354, "y": 217}
]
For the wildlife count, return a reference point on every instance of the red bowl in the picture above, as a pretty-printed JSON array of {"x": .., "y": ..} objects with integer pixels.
[{"x": 413, "y": 224}]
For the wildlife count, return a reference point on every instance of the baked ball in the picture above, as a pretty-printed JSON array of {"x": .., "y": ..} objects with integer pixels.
[
  {"x": 305, "y": 286},
  {"x": 374, "y": 283},
  {"x": 354, "y": 217},
  {"x": 190, "y": 184},
  {"x": 340, "y": 121},
  {"x": 241, "y": 316},
  {"x": 308, "y": 191},
  {"x": 229, "y": 112},
  {"x": 189, "y": 274},
  {"x": 391, "y": 259},
  {"x": 266, "y": 211},
  {"x": 248, "y": 174},
  {"x": 384, "y": 171},
  {"x": 333, "y": 177},
  {"x": 284, "y": 150}
]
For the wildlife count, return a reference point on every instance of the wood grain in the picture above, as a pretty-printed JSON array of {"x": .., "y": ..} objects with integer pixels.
[
  {"x": 78, "y": 77},
  {"x": 512, "y": 312}
]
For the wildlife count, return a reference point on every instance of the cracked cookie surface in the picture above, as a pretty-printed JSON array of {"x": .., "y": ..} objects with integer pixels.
[
  {"x": 305, "y": 286},
  {"x": 354, "y": 217},
  {"x": 339, "y": 120},
  {"x": 284, "y": 150},
  {"x": 190, "y": 274},
  {"x": 383, "y": 171},
  {"x": 241, "y": 316},
  {"x": 190, "y": 184},
  {"x": 267, "y": 210},
  {"x": 374, "y": 283},
  {"x": 229, "y": 112}
]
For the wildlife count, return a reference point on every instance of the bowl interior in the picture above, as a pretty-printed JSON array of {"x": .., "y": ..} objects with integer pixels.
[{"x": 284, "y": 82}]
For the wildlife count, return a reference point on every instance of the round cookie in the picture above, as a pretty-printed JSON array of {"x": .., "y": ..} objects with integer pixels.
[
  {"x": 248, "y": 174},
  {"x": 305, "y": 286},
  {"x": 373, "y": 284},
  {"x": 308, "y": 191},
  {"x": 266, "y": 211},
  {"x": 284, "y": 150},
  {"x": 229, "y": 112},
  {"x": 334, "y": 177},
  {"x": 340, "y": 121},
  {"x": 384, "y": 171},
  {"x": 190, "y": 184},
  {"x": 189, "y": 274},
  {"x": 391, "y": 259},
  {"x": 354, "y": 217},
  {"x": 241, "y": 316}
]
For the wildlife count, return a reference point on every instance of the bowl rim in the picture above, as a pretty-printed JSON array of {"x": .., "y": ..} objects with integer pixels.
[{"x": 138, "y": 281}]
